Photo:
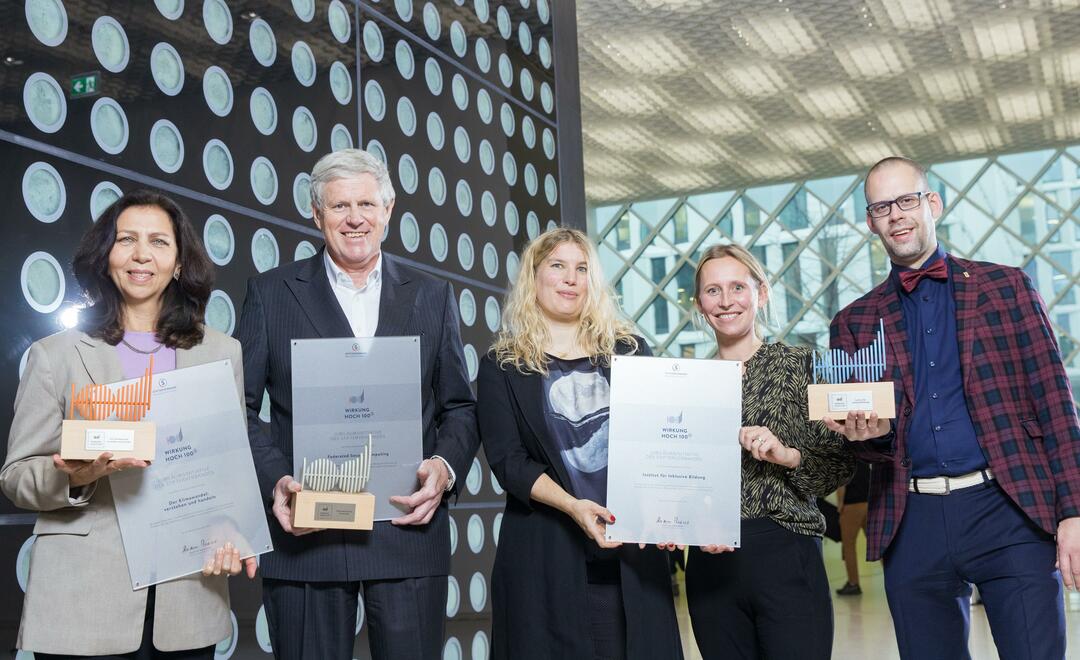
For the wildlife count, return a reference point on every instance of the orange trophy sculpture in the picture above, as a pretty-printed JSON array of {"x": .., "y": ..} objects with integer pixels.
[{"x": 125, "y": 435}]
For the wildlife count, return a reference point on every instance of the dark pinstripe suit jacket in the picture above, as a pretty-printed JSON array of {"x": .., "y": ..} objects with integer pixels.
[
  {"x": 295, "y": 301},
  {"x": 1017, "y": 392}
]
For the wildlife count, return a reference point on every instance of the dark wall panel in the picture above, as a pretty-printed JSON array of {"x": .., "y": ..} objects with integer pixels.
[{"x": 226, "y": 106}]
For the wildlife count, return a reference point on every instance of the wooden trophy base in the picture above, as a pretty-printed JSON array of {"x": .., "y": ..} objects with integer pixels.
[
  {"x": 836, "y": 401},
  {"x": 84, "y": 440},
  {"x": 333, "y": 510}
]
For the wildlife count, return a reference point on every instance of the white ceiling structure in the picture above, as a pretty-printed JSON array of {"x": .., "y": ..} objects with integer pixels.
[{"x": 680, "y": 96}]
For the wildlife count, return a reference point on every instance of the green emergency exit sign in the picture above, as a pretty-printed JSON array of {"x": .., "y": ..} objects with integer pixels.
[{"x": 85, "y": 84}]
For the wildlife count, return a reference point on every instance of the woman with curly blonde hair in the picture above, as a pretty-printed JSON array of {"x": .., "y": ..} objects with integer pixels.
[{"x": 542, "y": 404}]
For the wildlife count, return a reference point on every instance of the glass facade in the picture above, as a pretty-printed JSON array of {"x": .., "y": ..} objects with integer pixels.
[{"x": 1019, "y": 209}]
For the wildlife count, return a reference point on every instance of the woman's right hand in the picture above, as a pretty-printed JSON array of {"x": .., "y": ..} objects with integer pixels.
[
  {"x": 593, "y": 520},
  {"x": 83, "y": 473},
  {"x": 717, "y": 549}
]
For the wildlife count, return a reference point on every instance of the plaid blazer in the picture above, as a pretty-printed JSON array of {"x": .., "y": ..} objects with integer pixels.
[{"x": 1017, "y": 393}]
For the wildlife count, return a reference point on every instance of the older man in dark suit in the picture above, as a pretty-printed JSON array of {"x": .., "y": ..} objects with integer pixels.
[
  {"x": 979, "y": 480},
  {"x": 351, "y": 288}
]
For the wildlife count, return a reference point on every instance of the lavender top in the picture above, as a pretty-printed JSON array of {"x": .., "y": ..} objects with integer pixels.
[{"x": 133, "y": 363}]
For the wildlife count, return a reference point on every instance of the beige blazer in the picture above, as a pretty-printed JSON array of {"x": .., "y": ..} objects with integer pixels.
[{"x": 79, "y": 598}]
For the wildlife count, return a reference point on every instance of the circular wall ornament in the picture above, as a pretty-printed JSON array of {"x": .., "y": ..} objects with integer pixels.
[
  {"x": 488, "y": 209},
  {"x": 220, "y": 312},
  {"x": 44, "y": 102},
  {"x": 48, "y": 21},
  {"x": 167, "y": 69},
  {"x": 302, "y": 194},
  {"x": 373, "y": 41},
  {"x": 410, "y": 232},
  {"x": 467, "y": 307},
  {"x": 462, "y": 144},
  {"x": 433, "y": 76},
  {"x": 264, "y": 182},
  {"x": 502, "y": 17},
  {"x": 217, "y": 91},
  {"x": 110, "y": 44},
  {"x": 44, "y": 192},
  {"x": 341, "y": 83},
  {"x": 437, "y": 186},
  {"x": 170, "y": 9},
  {"x": 465, "y": 251},
  {"x": 218, "y": 21},
  {"x": 263, "y": 111},
  {"x": 264, "y": 250},
  {"x": 432, "y": 22},
  {"x": 403, "y": 57},
  {"x": 109, "y": 124},
  {"x": 408, "y": 175},
  {"x": 484, "y": 106},
  {"x": 340, "y": 138},
  {"x": 42, "y": 280},
  {"x": 262, "y": 42},
  {"x": 483, "y": 54},
  {"x": 438, "y": 242},
  {"x": 340, "y": 21},
  {"x": 304, "y": 129},
  {"x": 217, "y": 164},
  {"x": 102, "y": 196},
  {"x": 461, "y": 91},
  {"x": 303, "y": 63},
  {"x": 305, "y": 9},
  {"x": 458, "y": 41},
  {"x": 374, "y": 100},
  {"x": 219, "y": 239},
  {"x": 375, "y": 148}
]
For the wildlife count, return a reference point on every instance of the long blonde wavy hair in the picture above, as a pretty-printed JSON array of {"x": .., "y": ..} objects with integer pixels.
[{"x": 524, "y": 333}]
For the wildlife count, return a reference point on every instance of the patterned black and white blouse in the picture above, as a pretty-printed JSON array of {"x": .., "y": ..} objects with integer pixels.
[{"x": 774, "y": 396}]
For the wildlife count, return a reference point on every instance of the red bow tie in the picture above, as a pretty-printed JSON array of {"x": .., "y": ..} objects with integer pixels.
[{"x": 909, "y": 279}]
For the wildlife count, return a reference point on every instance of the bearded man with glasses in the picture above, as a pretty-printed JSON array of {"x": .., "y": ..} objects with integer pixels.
[{"x": 977, "y": 481}]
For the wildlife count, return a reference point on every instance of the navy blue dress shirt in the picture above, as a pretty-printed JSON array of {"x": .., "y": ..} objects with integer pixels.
[{"x": 941, "y": 438}]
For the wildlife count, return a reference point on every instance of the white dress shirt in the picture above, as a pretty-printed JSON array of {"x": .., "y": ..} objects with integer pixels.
[
  {"x": 361, "y": 307},
  {"x": 360, "y": 304}
]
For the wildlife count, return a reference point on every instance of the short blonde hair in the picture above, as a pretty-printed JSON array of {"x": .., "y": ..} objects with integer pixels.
[
  {"x": 744, "y": 257},
  {"x": 524, "y": 334}
]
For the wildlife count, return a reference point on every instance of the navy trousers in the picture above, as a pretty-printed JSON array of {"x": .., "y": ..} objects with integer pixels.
[
  {"x": 978, "y": 536},
  {"x": 317, "y": 620}
]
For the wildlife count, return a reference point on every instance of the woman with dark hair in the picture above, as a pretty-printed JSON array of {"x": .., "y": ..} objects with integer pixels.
[{"x": 147, "y": 280}]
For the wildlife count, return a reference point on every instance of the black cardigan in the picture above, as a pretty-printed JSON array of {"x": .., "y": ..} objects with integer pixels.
[{"x": 538, "y": 583}]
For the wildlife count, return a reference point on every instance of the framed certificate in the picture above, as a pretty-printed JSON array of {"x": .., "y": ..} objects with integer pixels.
[
  {"x": 674, "y": 460},
  {"x": 201, "y": 490},
  {"x": 349, "y": 390}
]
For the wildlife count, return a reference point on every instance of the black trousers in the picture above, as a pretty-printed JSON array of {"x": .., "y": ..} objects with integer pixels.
[
  {"x": 607, "y": 619},
  {"x": 317, "y": 620},
  {"x": 768, "y": 599},
  {"x": 146, "y": 650}
]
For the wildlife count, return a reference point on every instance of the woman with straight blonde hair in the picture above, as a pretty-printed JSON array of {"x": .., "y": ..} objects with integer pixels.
[
  {"x": 770, "y": 598},
  {"x": 559, "y": 589}
]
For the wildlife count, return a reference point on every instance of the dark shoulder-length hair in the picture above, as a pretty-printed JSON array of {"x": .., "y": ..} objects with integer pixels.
[{"x": 183, "y": 305}]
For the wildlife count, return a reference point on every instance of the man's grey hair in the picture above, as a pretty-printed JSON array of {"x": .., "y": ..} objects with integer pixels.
[{"x": 347, "y": 164}]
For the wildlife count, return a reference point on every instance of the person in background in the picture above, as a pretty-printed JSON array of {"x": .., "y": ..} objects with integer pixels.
[
  {"x": 146, "y": 279},
  {"x": 770, "y": 598},
  {"x": 559, "y": 589},
  {"x": 852, "y": 499}
]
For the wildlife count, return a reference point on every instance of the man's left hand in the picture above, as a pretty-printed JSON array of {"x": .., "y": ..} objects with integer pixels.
[
  {"x": 423, "y": 503},
  {"x": 1068, "y": 552}
]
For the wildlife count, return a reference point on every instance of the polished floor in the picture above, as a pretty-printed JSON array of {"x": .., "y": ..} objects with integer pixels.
[{"x": 863, "y": 626}]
